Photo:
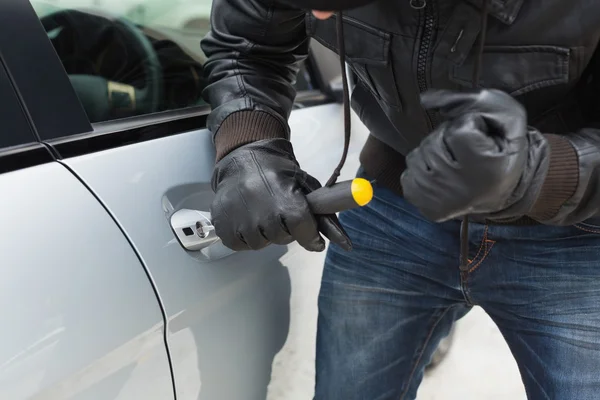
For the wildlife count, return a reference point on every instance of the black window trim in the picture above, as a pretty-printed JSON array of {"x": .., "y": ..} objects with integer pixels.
[
  {"x": 65, "y": 127},
  {"x": 117, "y": 133},
  {"x": 18, "y": 125},
  {"x": 39, "y": 69},
  {"x": 24, "y": 156},
  {"x": 24, "y": 149}
]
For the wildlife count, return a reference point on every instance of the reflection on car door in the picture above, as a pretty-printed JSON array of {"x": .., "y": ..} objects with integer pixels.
[
  {"x": 81, "y": 319},
  {"x": 227, "y": 313}
]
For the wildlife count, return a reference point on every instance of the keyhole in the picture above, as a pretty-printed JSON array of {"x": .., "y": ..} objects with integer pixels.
[{"x": 200, "y": 230}]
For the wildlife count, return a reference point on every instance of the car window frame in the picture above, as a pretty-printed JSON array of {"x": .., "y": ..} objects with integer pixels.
[
  {"x": 65, "y": 128},
  {"x": 64, "y": 115},
  {"x": 25, "y": 149},
  {"x": 15, "y": 123}
]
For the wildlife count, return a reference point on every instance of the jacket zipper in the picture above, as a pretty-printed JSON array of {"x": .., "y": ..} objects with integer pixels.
[{"x": 427, "y": 7}]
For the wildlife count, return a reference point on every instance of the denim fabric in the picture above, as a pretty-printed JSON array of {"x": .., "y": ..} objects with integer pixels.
[{"x": 384, "y": 307}]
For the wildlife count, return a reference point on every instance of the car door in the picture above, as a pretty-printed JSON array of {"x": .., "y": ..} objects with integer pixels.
[
  {"x": 239, "y": 325},
  {"x": 80, "y": 317}
]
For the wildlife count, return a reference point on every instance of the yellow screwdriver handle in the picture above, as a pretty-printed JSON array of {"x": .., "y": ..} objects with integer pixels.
[{"x": 341, "y": 196}]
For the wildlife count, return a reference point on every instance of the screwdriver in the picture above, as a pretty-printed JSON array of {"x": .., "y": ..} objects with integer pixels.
[{"x": 341, "y": 196}]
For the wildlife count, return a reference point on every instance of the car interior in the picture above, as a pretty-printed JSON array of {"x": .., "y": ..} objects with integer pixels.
[{"x": 120, "y": 68}]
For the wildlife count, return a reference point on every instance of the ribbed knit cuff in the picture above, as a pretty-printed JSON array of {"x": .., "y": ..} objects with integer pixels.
[
  {"x": 245, "y": 127},
  {"x": 561, "y": 180}
]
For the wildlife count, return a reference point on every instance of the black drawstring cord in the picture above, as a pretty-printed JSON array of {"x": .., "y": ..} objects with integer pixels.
[
  {"x": 464, "y": 236},
  {"x": 347, "y": 127}
]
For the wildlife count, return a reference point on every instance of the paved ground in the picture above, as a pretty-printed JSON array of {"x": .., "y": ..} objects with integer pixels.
[{"x": 479, "y": 365}]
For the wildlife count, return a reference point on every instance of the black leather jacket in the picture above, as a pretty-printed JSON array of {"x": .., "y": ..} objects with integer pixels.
[{"x": 543, "y": 52}]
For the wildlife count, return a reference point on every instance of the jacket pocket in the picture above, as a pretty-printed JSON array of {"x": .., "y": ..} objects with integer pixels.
[
  {"x": 517, "y": 69},
  {"x": 367, "y": 51}
]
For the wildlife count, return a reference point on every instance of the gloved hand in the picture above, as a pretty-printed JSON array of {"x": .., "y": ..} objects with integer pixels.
[
  {"x": 260, "y": 199},
  {"x": 482, "y": 160}
]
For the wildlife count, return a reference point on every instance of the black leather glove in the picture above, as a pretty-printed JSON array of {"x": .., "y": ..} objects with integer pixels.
[
  {"x": 260, "y": 199},
  {"x": 482, "y": 160}
]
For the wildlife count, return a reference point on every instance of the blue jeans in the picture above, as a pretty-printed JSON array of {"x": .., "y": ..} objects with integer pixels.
[{"x": 384, "y": 307}]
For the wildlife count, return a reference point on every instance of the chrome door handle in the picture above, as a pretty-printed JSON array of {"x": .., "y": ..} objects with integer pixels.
[{"x": 194, "y": 229}]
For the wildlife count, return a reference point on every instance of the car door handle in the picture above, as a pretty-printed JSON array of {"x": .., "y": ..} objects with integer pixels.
[
  {"x": 194, "y": 229},
  {"x": 195, "y": 232}
]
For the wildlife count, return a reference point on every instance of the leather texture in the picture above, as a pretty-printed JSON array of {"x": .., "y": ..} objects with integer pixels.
[
  {"x": 541, "y": 52},
  {"x": 327, "y": 5},
  {"x": 260, "y": 198},
  {"x": 481, "y": 160}
]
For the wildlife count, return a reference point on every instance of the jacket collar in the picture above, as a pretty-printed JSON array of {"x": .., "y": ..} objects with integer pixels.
[{"x": 504, "y": 10}]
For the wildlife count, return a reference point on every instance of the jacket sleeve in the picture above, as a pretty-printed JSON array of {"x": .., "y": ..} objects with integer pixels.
[
  {"x": 571, "y": 189},
  {"x": 253, "y": 53}
]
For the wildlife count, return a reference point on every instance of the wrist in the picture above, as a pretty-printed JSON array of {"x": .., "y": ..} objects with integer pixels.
[
  {"x": 243, "y": 127},
  {"x": 560, "y": 181}
]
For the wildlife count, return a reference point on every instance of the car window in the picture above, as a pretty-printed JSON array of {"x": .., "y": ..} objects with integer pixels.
[{"x": 132, "y": 57}]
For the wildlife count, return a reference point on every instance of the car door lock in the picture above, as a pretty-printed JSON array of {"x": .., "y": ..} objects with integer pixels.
[
  {"x": 204, "y": 229},
  {"x": 193, "y": 229}
]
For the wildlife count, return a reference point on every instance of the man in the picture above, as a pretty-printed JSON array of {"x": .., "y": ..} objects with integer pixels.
[{"x": 485, "y": 122}]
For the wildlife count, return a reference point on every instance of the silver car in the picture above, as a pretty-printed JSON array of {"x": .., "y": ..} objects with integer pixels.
[{"x": 113, "y": 283}]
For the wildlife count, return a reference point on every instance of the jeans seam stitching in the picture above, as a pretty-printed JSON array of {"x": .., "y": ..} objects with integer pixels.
[
  {"x": 465, "y": 293},
  {"x": 485, "y": 254},
  {"x": 422, "y": 350},
  {"x": 483, "y": 240},
  {"x": 578, "y": 226}
]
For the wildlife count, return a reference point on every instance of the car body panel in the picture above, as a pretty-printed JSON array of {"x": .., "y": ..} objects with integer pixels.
[
  {"x": 229, "y": 314},
  {"x": 80, "y": 317}
]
